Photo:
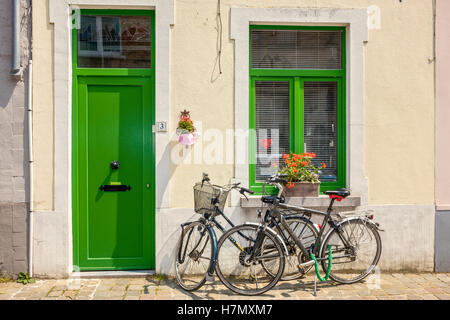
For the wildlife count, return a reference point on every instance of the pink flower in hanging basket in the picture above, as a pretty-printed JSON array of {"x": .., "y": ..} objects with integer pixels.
[{"x": 186, "y": 139}]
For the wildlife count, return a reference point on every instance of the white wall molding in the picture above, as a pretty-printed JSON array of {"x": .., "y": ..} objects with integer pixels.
[
  {"x": 357, "y": 34},
  {"x": 59, "y": 11}
]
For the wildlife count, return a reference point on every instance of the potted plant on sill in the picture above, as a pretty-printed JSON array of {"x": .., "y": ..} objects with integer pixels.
[
  {"x": 186, "y": 130},
  {"x": 302, "y": 175}
]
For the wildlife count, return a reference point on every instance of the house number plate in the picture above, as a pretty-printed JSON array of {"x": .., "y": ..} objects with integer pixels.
[{"x": 161, "y": 126}]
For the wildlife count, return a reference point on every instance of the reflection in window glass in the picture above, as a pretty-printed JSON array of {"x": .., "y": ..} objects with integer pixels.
[
  {"x": 296, "y": 49},
  {"x": 114, "y": 42},
  {"x": 321, "y": 125},
  {"x": 272, "y": 125}
]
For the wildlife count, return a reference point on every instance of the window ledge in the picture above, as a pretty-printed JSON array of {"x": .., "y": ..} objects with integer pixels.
[{"x": 309, "y": 202}]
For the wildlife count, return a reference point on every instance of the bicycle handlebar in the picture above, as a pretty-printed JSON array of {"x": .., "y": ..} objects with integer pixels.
[{"x": 243, "y": 190}]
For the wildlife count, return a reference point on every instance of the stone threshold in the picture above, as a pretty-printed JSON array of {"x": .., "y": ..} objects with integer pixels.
[
  {"x": 309, "y": 202},
  {"x": 112, "y": 274}
]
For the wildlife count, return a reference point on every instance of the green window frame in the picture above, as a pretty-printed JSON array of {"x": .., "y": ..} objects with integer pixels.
[{"x": 297, "y": 79}]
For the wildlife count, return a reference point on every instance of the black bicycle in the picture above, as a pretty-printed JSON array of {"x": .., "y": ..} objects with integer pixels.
[
  {"x": 196, "y": 253},
  {"x": 353, "y": 241}
]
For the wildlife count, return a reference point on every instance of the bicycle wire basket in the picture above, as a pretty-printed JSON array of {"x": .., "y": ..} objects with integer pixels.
[{"x": 204, "y": 197}]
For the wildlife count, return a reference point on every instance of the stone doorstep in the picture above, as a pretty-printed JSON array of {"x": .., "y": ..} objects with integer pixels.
[{"x": 111, "y": 274}]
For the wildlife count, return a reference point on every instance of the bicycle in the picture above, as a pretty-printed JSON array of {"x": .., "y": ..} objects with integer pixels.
[
  {"x": 195, "y": 259},
  {"x": 197, "y": 247},
  {"x": 344, "y": 240}
]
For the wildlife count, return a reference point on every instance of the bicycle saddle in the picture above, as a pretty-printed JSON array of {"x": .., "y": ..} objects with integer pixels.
[
  {"x": 340, "y": 193},
  {"x": 272, "y": 199}
]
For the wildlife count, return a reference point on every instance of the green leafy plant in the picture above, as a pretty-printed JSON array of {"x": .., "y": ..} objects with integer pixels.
[
  {"x": 4, "y": 278},
  {"x": 25, "y": 278},
  {"x": 300, "y": 168},
  {"x": 185, "y": 124},
  {"x": 3, "y": 275}
]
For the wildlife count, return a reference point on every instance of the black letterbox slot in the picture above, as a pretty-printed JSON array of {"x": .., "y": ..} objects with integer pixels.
[{"x": 115, "y": 188}]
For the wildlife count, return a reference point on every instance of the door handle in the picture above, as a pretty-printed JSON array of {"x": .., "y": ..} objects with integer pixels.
[
  {"x": 115, "y": 165},
  {"x": 115, "y": 188}
]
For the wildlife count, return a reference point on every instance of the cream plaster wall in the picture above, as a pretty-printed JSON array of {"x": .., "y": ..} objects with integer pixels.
[
  {"x": 43, "y": 106},
  {"x": 399, "y": 95}
]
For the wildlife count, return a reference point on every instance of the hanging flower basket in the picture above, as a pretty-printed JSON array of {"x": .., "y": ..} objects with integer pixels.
[{"x": 186, "y": 131}]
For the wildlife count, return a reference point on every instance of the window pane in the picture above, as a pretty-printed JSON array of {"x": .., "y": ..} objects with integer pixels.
[
  {"x": 320, "y": 130},
  {"x": 114, "y": 42},
  {"x": 272, "y": 125},
  {"x": 296, "y": 49}
]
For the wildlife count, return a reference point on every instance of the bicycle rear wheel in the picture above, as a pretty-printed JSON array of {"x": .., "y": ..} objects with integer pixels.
[
  {"x": 356, "y": 250},
  {"x": 244, "y": 276},
  {"x": 193, "y": 256}
]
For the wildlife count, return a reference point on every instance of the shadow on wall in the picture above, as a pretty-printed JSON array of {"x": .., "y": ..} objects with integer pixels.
[{"x": 170, "y": 223}]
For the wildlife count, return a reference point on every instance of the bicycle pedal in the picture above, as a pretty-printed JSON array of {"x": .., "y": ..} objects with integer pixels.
[
  {"x": 301, "y": 269},
  {"x": 210, "y": 278}
]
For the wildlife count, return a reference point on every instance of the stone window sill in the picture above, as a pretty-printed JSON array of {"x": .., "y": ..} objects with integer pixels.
[{"x": 309, "y": 202}]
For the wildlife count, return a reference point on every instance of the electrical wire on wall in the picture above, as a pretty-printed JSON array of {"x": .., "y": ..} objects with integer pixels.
[
  {"x": 219, "y": 17},
  {"x": 219, "y": 28}
]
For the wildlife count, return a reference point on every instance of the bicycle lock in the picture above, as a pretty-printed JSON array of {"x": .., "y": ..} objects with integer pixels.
[{"x": 317, "y": 273}]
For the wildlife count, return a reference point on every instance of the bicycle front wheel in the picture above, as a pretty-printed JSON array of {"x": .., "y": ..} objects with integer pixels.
[
  {"x": 307, "y": 233},
  {"x": 238, "y": 271},
  {"x": 356, "y": 250},
  {"x": 193, "y": 256}
]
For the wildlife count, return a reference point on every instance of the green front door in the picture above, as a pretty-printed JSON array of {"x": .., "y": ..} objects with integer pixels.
[{"x": 113, "y": 163}]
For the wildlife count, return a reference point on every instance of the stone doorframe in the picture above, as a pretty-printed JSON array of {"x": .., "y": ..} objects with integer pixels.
[
  {"x": 60, "y": 16},
  {"x": 355, "y": 20}
]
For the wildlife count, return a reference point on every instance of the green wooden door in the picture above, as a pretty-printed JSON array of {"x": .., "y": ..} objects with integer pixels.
[{"x": 113, "y": 147}]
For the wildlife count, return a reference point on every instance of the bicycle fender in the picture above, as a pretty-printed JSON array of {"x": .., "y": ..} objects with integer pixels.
[
  {"x": 272, "y": 232},
  {"x": 369, "y": 221},
  {"x": 212, "y": 264}
]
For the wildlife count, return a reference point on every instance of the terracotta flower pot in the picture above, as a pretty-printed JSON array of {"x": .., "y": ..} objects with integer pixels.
[{"x": 303, "y": 189}]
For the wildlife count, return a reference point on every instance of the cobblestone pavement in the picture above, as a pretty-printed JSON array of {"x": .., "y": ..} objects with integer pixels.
[{"x": 396, "y": 286}]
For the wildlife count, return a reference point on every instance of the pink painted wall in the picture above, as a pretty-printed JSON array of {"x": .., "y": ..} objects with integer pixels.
[{"x": 443, "y": 105}]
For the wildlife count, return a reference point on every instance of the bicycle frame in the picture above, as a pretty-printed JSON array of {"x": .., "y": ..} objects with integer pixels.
[{"x": 274, "y": 212}]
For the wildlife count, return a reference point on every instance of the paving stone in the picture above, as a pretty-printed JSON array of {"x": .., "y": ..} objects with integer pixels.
[
  {"x": 394, "y": 297},
  {"x": 435, "y": 290},
  {"x": 101, "y": 294},
  {"x": 414, "y": 297},
  {"x": 5, "y": 296},
  {"x": 378, "y": 293},
  {"x": 134, "y": 287},
  {"x": 70, "y": 293},
  {"x": 370, "y": 298},
  {"x": 55, "y": 293},
  {"x": 119, "y": 287},
  {"x": 429, "y": 297},
  {"x": 117, "y": 293},
  {"x": 60, "y": 288},
  {"x": 395, "y": 291},
  {"x": 391, "y": 287},
  {"x": 353, "y": 298}
]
